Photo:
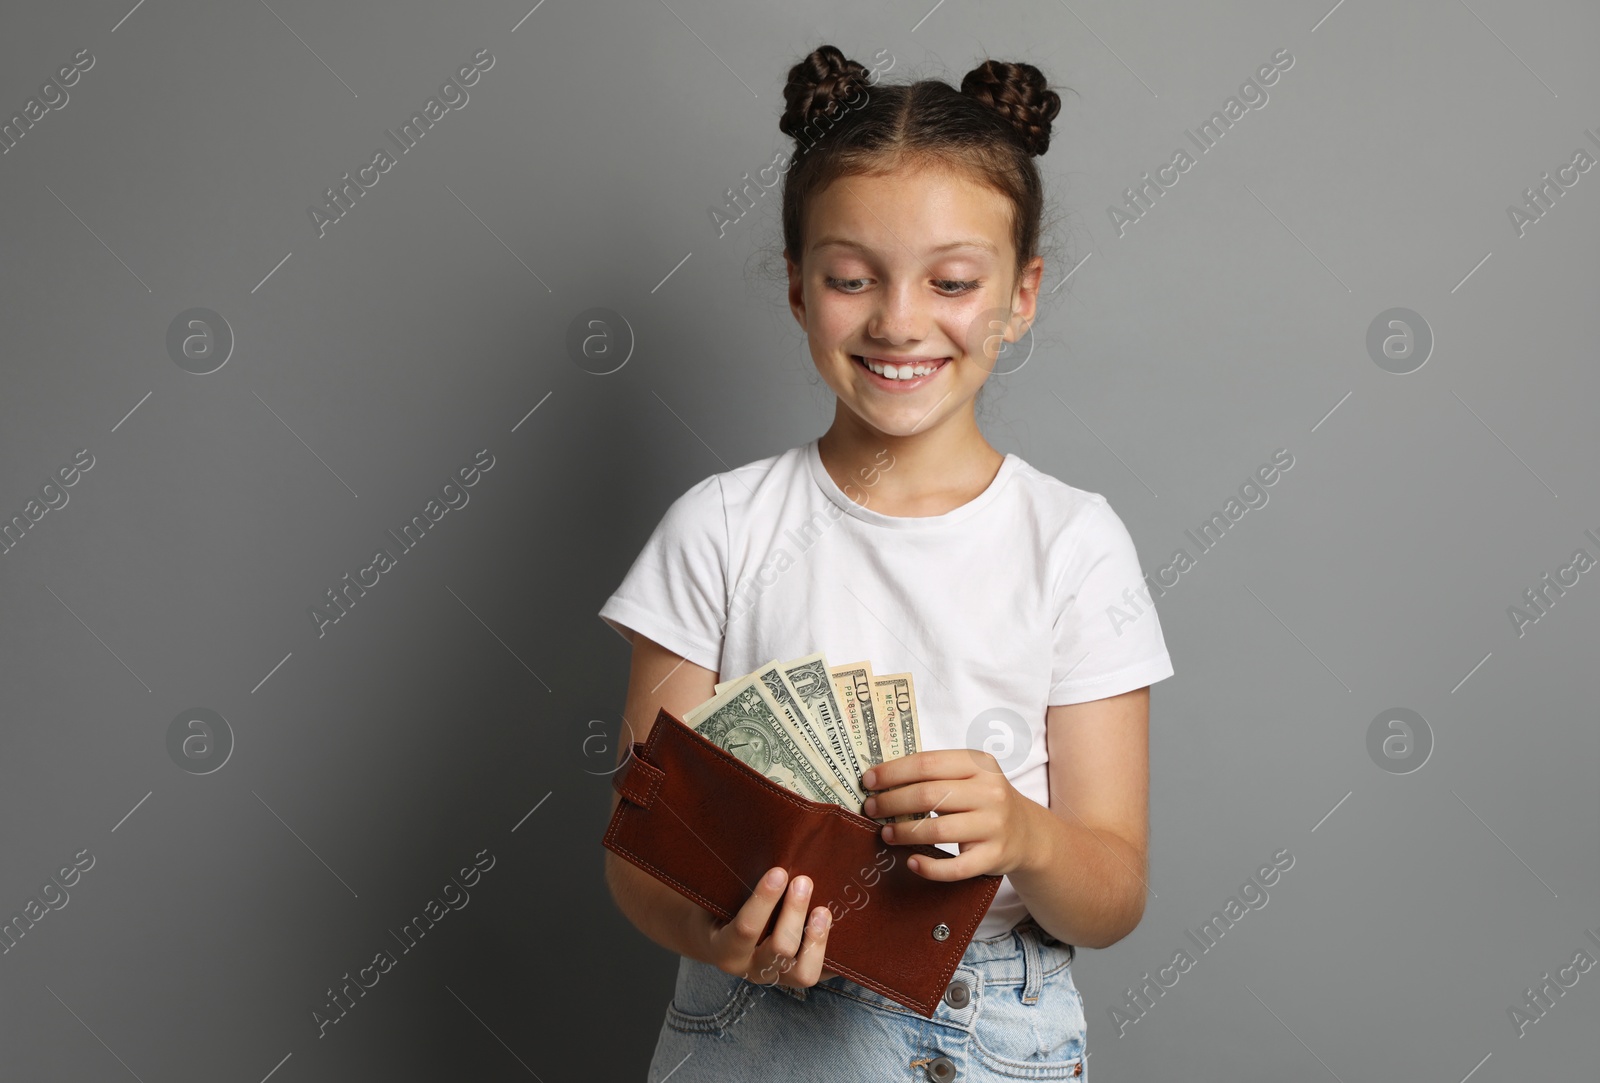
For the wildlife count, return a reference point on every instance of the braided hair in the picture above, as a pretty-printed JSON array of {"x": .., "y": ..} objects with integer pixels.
[{"x": 843, "y": 124}]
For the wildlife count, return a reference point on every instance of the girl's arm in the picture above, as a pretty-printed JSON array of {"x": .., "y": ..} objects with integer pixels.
[
  {"x": 657, "y": 678},
  {"x": 1084, "y": 880}
]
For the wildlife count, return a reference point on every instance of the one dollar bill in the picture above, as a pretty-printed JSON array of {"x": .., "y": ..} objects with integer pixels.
[{"x": 745, "y": 720}]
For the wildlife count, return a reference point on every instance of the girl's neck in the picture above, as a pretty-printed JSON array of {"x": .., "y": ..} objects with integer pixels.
[{"x": 926, "y": 473}]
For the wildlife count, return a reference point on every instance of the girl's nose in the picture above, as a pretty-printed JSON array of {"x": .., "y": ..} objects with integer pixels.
[{"x": 898, "y": 319}]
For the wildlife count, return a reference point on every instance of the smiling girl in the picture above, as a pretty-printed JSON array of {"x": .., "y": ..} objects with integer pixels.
[{"x": 911, "y": 229}]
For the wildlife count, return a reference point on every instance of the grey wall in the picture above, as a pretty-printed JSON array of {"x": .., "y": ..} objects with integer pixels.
[{"x": 466, "y": 707}]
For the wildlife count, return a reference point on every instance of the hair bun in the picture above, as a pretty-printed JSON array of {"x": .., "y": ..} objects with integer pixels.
[
  {"x": 1022, "y": 97},
  {"x": 820, "y": 84}
]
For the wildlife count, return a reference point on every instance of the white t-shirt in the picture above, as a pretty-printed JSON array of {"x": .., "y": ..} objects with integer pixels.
[{"x": 1019, "y": 599}]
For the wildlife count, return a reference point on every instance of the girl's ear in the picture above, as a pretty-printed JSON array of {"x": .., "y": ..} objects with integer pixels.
[
  {"x": 797, "y": 295},
  {"x": 1025, "y": 300}
]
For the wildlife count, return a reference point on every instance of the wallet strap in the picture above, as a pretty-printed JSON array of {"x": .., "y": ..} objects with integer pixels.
[{"x": 640, "y": 780}]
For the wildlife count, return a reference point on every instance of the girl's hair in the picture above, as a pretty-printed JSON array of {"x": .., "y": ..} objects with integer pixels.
[{"x": 843, "y": 123}]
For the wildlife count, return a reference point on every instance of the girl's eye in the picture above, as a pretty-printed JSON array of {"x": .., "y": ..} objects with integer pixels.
[{"x": 952, "y": 286}]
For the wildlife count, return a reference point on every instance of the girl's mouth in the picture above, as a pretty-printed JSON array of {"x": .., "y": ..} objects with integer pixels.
[{"x": 900, "y": 375}]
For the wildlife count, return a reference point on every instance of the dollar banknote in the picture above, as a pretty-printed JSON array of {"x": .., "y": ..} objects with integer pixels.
[
  {"x": 853, "y": 683},
  {"x": 745, "y": 720},
  {"x": 846, "y": 786},
  {"x": 808, "y": 675},
  {"x": 814, "y": 728},
  {"x": 895, "y": 703}
]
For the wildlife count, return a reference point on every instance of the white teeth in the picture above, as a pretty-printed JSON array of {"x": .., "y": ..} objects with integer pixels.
[{"x": 899, "y": 372}]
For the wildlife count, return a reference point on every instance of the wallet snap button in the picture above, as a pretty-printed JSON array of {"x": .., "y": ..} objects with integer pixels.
[
  {"x": 957, "y": 995},
  {"x": 941, "y": 1069},
  {"x": 941, "y": 931}
]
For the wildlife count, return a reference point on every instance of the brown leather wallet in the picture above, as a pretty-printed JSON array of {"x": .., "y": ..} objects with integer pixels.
[{"x": 709, "y": 825}]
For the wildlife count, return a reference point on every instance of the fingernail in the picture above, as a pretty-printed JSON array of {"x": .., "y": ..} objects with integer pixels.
[
  {"x": 802, "y": 886},
  {"x": 868, "y": 779},
  {"x": 775, "y": 877},
  {"x": 870, "y": 806},
  {"x": 888, "y": 832}
]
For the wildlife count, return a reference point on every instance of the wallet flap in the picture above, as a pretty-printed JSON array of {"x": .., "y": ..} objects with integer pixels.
[{"x": 638, "y": 781}]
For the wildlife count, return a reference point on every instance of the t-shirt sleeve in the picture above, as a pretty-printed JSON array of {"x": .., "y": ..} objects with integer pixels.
[
  {"x": 1107, "y": 635},
  {"x": 676, "y": 591}
]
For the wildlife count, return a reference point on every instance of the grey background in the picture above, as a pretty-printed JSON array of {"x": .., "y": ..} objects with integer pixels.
[{"x": 455, "y": 708}]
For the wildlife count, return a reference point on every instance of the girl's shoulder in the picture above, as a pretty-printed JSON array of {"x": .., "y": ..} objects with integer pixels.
[
  {"x": 1075, "y": 529},
  {"x": 1059, "y": 504},
  {"x": 726, "y": 492}
]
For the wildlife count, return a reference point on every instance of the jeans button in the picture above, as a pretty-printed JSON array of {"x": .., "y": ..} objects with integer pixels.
[
  {"x": 957, "y": 995},
  {"x": 941, "y": 1069}
]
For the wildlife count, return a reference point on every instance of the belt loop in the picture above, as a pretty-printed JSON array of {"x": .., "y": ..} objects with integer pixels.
[{"x": 1032, "y": 967}]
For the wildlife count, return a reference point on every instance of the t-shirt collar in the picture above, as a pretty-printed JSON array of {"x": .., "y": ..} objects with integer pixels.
[{"x": 831, "y": 490}]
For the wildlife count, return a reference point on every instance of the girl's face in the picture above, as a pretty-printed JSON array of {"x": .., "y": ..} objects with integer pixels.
[{"x": 916, "y": 266}]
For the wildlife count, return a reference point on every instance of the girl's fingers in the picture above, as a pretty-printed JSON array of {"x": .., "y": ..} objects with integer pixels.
[
  {"x": 796, "y": 947},
  {"x": 945, "y": 827},
  {"x": 945, "y": 795},
  {"x": 808, "y": 968},
  {"x": 786, "y": 934},
  {"x": 741, "y": 935},
  {"x": 970, "y": 862}
]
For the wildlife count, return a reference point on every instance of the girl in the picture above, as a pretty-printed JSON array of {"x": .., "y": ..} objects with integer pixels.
[{"x": 911, "y": 221}]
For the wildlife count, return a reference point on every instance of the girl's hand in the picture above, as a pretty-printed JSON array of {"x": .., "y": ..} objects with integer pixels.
[
  {"x": 787, "y": 957},
  {"x": 978, "y": 808}
]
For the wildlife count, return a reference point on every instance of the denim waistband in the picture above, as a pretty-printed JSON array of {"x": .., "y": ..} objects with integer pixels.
[{"x": 1022, "y": 955}]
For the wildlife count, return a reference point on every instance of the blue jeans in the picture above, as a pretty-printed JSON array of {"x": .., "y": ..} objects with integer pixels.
[{"x": 1022, "y": 1019}]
